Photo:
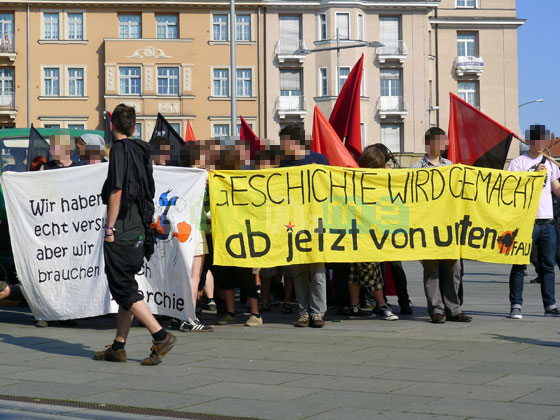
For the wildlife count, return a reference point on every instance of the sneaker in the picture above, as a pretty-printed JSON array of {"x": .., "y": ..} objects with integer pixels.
[
  {"x": 110, "y": 355},
  {"x": 357, "y": 313},
  {"x": 41, "y": 324},
  {"x": 385, "y": 313},
  {"x": 438, "y": 318},
  {"x": 303, "y": 321},
  {"x": 317, "y": 321},
  {"x": 196, "y": 326},
  {"x": 159, "y": 350},
  {"x": 254, "y": 321},
  {"x": 226, "y": 320},
  {"x": 460, "y": 317},
  {"x": 552, "y": 312},
  {"x": 287, "y": 308},
  {"x": 210, "y": 306},
  {"x": 515, "y": 313}
]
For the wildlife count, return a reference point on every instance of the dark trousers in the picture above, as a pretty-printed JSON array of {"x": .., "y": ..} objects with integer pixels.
[
  {"x": 399, "y": 277},
  {"x": 341, "y": 274},
  {"x": 122, "y": 262},
  {"x": 545, "y": 240}
]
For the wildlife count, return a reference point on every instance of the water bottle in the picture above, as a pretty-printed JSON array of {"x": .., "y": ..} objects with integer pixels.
[{"x": 140, "y": 242}]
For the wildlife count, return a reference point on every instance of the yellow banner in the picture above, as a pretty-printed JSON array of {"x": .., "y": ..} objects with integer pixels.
[{"x": 318, "y": 213}]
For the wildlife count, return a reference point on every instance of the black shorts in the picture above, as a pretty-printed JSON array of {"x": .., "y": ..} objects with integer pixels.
[
  {"x": 228, "y": 278},
  {"x": 122, "y": 262}
]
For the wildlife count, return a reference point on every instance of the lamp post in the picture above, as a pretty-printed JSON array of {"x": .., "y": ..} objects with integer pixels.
[
  {"x": 531, "y": 102},
  {"x": 233, "y": 67}
]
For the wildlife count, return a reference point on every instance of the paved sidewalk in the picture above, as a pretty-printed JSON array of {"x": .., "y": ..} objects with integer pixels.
[{"x": 493, "y": 368}]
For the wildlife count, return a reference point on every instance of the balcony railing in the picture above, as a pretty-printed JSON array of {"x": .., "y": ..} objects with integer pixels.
[
  {"x": 291, "y": 106},
  {"x": 392, "y": 52},
  {"x": 392, "y": 106},
  {"x": 469, "y": 65},
  {"x": 290, "y": 50},
  {"x": 8, "y": 105},
  {"x": 8, "y": 45}
]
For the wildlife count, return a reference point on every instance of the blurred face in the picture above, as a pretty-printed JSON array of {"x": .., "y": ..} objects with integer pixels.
[
  {"x": 292, "y": 148},
  {"x": 437, "y": 144},
  {"x": 161, "y": 155},
  {"x": 538, "y": 146},
  {"x": 60, "y": 148}
]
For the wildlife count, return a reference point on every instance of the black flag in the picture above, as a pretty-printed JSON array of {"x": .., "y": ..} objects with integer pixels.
[
  {"x": 164, "y": 129},
  {"x": 108, "y": 132},
  {"x": 38, "y": 146}
]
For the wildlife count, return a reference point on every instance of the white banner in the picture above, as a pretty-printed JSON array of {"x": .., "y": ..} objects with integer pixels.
[{"x": 56, "y": 223}]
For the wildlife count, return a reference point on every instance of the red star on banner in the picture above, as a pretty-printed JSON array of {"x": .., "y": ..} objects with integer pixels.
[{"x": 290, "y": 227}]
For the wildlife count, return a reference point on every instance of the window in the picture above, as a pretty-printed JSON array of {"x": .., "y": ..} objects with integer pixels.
[
  {"x": 75, "y": 82},
  {"x": 129, "y": 80},
  {"x": 323, "y": 33},
  {"x": 168, "y": 80},
  {"x": 6, "y": 87},
  {"x": 466, "y": 3},
  {"x": 468, "y": 92},
  {"x": 137, "y": 131},
  {"x": 76, "y": 126},
  {"x": 176, "y": 127},
  {"x": 360, "y": 29},
  {"x": 7, "y": 32},
  {"x": 343, "y": 25},
  {"x": 243, "y": 27},
  {"x": 245, "y": 83},
  {"x": 342, "y": 77},
  {"x": 391, "y": 137},
  {"x": 129, "y": 26},
  {"x": 51, "y": 126},
  {"x": 52, "y": 81},
  {"x": 167, "y": 26},
  {"x": 323, "y": 81},
  {"x": 389, "y": 27},
  {"x": 221, "y": 130},
  {"x": 75, "y": 26},
  {"x": 363, "y": 83},
  {"x": 51, "y": 28},
  {"x": 363, "y": 134},
  {"x": 290, "y": 34},
  {"x": 220, "y": 28},
  {"x": 390, "y": 82},
  {"x": 221, "y": 82},
  {"x": 290, "y": 82},
  {"x": 466, "y": 44}
]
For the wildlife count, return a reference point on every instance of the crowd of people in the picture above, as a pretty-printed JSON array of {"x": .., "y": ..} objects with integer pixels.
[{"x": 356, "y": 289}]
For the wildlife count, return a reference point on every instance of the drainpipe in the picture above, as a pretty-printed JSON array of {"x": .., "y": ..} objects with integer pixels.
[
  {"x": 259, "y": 69},
  {"x": 28, "y": 83},
  {"x": 265, "y": 72}
]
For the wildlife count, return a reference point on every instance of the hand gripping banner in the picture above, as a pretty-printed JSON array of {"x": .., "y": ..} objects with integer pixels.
[{"x": 317, "y": 213}]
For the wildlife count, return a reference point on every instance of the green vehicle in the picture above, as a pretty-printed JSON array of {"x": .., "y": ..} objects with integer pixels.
[{"x": 14, "y": 142}]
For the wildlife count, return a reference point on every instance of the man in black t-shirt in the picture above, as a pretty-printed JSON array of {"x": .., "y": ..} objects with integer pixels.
[{"x": 125, "y": 234}]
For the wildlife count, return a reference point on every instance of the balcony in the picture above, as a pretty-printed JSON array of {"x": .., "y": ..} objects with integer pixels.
[
  {"x": 395, "y": 52},
  {"x": 8, "y": 105},
  {"x": 290, "y": 51},
  {"x": 391, "y": 107},
  {"x": 469, "y": 66},
  {"x": 291, "y": 106},
  {"x": 8, "y": 46}
]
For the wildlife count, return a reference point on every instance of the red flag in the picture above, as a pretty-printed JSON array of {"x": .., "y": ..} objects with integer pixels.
[
  {"x": 326, "y": 141},
  {"x": 189, "y": 133},
  {"x": 248, "y": 135},
  {"x": 476, "y": 139},
  {"x": 345, "y": 116}
]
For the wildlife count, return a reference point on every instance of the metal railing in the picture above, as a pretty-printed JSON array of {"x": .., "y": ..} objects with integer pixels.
[
  {"x": 7, "y": 101},
  {"x": 391, "y": 103},
  {"x": 291, "y": 103},
  {"x": 7, "y": 43},
  {"x": 398, "y": 48},
  {"x": 288, "y": 47}
]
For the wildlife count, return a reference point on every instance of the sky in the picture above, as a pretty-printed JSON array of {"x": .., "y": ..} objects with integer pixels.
[{"x": 539, "y": 63}]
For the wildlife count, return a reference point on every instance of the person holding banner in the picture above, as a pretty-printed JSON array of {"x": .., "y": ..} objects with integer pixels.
[
  {"x": 128, "y": 193},
  {"x": 446, "y": 272},
  {"x": 544, "y": 233},
  {"x": 310, "y": 280}
]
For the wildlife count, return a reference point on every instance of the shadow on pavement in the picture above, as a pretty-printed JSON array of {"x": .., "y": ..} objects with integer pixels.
[
  {"x": 524, "y": 340},
  {"x": 52, "y": 346}
]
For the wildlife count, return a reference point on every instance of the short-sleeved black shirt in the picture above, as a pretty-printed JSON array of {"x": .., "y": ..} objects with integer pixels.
[{"x": 128, "y": 226}]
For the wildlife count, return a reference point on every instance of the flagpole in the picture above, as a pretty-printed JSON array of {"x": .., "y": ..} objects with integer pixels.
[{"x": 233, "y": 66}]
